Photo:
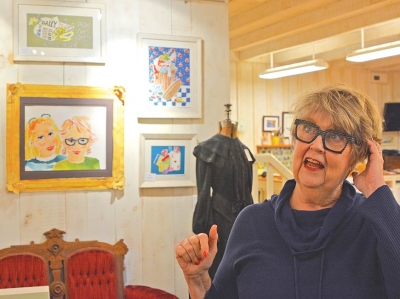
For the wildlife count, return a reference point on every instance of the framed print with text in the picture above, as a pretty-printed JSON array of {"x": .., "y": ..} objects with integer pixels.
[
  {"x": 166, "y": 160},
  {"x": 64, "y": 138},
  {"x": 59, "y": 31},
  {"x": 170, "y": 72}
]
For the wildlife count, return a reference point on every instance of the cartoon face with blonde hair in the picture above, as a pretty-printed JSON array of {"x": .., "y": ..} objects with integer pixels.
[
  {"x": 42, "y": 143},
  {"x": 42, "y": 138}
]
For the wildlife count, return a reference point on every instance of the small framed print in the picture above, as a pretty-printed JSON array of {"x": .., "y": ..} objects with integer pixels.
[
  {"x": 166, "y": 160},
  {"x": 389, "y": 140},
  {"x": 270, "y": 123},
  {"x": 287, "y": 121},
  {"x": 170, "y": 73}
]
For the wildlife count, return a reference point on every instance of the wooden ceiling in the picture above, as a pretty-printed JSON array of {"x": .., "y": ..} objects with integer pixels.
[{"x": 298, "y": 30}]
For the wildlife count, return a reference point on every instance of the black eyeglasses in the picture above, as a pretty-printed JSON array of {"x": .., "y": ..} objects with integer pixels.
[
  {"x": 333, "y": 141},
  {"x": 81, "y": 141}
]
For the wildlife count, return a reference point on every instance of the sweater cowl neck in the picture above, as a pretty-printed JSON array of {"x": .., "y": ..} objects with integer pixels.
[{"x": 307, "y": 243}]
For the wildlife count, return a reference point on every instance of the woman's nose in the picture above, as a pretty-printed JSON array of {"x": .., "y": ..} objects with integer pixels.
[{"x": 318, "y": 144}]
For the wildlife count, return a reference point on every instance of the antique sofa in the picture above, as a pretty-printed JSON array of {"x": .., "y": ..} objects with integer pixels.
[{"x": 72, "y": 270}]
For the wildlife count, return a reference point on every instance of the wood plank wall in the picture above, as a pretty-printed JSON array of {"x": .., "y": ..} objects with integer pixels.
[
  {"x": 255, "y": 97},
  {"x": 151, "y": 221}
]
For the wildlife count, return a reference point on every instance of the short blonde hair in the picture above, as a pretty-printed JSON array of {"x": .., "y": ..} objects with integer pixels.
[
  {"x": 31, "y": 151},
  {"x": 82, "y": 124},
  {"x": 350, "y": 111}
]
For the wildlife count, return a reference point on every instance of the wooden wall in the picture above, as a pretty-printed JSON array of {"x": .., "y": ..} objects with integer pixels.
[
  {"x": 255, "y": 97},
  {"x": 150, "y": 221}
]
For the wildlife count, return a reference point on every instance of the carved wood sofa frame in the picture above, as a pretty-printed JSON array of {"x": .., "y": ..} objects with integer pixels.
[{"x": 55, "y": 253}]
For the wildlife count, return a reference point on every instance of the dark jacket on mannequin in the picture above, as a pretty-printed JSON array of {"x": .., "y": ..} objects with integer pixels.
[{"x": 224, "y": 183}]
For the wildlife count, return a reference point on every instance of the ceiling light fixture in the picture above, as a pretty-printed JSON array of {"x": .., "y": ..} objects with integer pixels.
[
  {"x": 293, "y": 69},
  {"x": 375, "y": 52}
]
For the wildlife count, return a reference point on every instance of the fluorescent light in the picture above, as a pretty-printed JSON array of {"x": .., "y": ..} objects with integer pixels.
[
  {"x": 376, "y": 52},
  {"x": 294, "y": 69}
]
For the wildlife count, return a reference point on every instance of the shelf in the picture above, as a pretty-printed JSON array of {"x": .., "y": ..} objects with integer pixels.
[{"x": 273, "y": 146}]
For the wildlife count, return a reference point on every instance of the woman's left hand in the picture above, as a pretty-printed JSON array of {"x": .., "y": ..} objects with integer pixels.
[{"x": 372, "y": 177}]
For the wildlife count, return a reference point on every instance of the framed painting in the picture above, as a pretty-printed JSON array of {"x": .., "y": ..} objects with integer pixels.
[
  {"x": 64, "y": 138},
  {"x": 390, "y": 140},
  {"x": 270, "y": 123},
  {"x": 287, "y": 121},
  {"x": 166, "y": 160},
  {"x": 59, "y": 31},
  {"x": 170, "y": 73}
]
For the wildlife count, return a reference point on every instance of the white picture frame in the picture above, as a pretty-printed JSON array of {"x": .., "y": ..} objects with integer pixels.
[
  {"x": 287, "y": 121},
  {"x": 55, "y": 31},
  {"x": 170, "y": 75},
  {"x": 166, "y": 160}
]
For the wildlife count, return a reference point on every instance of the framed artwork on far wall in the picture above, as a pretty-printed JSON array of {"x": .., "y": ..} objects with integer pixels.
[
  {"x": 287, "y": 120},
  {"x": 64, "y": 138},
  {"x": 270, "y": 123},
  {"x": 166, "y": 160},
  {"x": 390, "y": 140},
  {"x": 59, "y": 31},
  {"x": 170, "y": 72}
]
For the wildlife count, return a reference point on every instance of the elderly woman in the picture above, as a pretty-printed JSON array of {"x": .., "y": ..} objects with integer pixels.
[{"x": 319, "y": 238}]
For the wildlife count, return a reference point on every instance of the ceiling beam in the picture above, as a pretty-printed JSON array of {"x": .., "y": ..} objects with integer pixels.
[
  {"x": 270, "y": 13},
  {"x": 236, "y": 7},
  {"x": 271, "y": 42}
]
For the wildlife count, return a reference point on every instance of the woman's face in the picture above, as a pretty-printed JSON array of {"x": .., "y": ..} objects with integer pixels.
[
  {"x": 76, "y": 144},
  {"x": 317, "y": 169},
  {"x": 45, "y": 139}
]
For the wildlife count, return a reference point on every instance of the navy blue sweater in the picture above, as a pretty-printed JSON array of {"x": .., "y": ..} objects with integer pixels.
[{"x": 351, "y": 251}]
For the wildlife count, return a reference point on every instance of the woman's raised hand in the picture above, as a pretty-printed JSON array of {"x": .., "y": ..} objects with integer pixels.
[
  {"x": 372, "y": 177},
  {"x": 196, "y": 253}
]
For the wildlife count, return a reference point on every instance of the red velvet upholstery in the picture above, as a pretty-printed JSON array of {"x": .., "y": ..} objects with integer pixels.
[
  {"x": 72, "y": 270},
  {"x": 143, "y": 292},
  {"x": 22, "y": 270},
  {"x": 92, "y": 274}
]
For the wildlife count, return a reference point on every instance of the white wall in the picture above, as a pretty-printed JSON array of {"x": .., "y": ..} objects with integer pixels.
[{"x": 150, "y": 221}]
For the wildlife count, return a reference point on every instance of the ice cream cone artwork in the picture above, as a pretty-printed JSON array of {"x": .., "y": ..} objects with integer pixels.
[
  {"x": 172, "y": 89},
  {"x": 165, "y": 74},
  {"x": 167, "y": 78}
]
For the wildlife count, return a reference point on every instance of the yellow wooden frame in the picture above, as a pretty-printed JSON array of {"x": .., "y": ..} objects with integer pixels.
[{"x": 14, "y": 182}]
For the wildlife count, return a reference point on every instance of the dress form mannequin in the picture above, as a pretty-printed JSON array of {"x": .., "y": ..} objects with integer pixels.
[
  {"x": 228, "y": 127},
  {"x": 224, "y": 183}
]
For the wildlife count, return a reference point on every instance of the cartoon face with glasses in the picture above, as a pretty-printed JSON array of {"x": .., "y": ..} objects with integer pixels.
[
  {"x": 77, "y": 139},
  {"x": 42, "y": 144}
]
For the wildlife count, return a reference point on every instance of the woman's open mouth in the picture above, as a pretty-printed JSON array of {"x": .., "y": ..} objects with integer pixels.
[{"x": 313, "y": 164}]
